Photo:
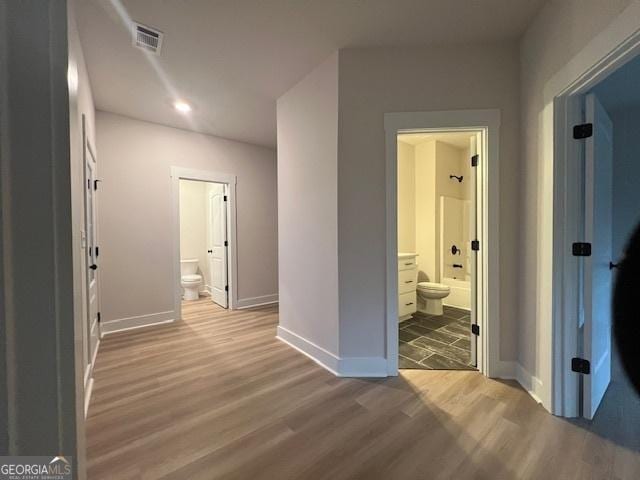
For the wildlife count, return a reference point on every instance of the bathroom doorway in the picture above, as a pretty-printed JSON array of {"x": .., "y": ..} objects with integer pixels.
[
  {"x": 437, "y": 234},
  {"x": 204, "y": 237},
  {"x": 443, "y": 241}
]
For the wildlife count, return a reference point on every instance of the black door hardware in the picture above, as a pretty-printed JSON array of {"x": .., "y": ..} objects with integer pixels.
[
  {"x": 614, "y": 265},
  {"x": 475, "y": 245},
  {"x": 475, "y": 329},
  {"x": 93, "y": 267},
  {"x": 581, "y": 249},
  {"x": 209, "y": 251},
  {"x": 583, "y": 131},
  {"x": 455, "y": 250},
  {"x": 580, "y": 365},
  {"x": 459, "y": 178},
  {"x": 457, "y": 265}
]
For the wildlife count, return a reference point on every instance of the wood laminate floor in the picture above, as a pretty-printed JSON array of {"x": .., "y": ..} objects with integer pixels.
[{"x": 218, "y": 396}]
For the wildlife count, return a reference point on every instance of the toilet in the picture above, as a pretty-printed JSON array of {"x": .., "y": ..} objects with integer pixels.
[
  {"x": 190, "y": 281},
  {"x": 431, "y": 295}
]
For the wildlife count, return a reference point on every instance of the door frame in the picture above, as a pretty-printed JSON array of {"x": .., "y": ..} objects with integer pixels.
[
  {"x": 177, "y": 174},
  {"x": 616, "y": 45},
  {"x": 488, "y": 315}
]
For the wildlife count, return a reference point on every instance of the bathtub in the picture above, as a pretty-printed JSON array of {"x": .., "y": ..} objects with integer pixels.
[{"x": 460, "y": 296}]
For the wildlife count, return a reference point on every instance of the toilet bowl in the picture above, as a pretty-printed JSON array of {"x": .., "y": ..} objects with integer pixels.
[
  {"x": 190, "y": 281},
  {"x": 430, "y": 295}
]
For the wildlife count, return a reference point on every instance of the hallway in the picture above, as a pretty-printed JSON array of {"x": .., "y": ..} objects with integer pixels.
[{"x": 217, "y": 396}]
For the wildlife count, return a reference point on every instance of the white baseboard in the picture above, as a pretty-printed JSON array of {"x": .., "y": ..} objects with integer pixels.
[
  {"x": 529, "y": 382},
  {"x": 340, "y": 367},
  {"x": 375, "y": 367},
  {"x": 504, "y": 369},
  {"x": 511, "y": 370},
  {"x": 322, "y": 357},
  {"x": 88, "y": 389},
  {"x": 256, "y": 301},
  {"x": 139, "y": 321}
]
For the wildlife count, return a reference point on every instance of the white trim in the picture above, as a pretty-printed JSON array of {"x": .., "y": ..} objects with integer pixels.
[
  {"x": 256, "y": 301},
  {"x": 487, "y": 121},
  {"x": 318, "y": 354},
  {"x": 139, "y": 321},
  {"x": 366, "y": 367},
  {"x": 618, "y": 43},
  {"x": 362, "y": 367},
  {"x": 178, "y": 173},
  {"x": 529, "y": 382},
  {"x": 88, "y": 390}
]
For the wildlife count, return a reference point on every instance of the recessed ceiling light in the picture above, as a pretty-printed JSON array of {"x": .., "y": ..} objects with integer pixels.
[{"x": 182, "y": 107}]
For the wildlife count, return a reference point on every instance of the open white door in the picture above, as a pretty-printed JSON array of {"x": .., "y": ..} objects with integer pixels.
[
  {"x": 475, "y": 149},
  {"x": 597, "y": 274},
  {"x": 217, "y": 249},
  {"x": 91, "y": 254}
]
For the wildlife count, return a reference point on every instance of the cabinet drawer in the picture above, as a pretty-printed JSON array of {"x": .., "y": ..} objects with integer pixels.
[
  {"x": 407, "y": 280},
  {"x": 407, "y": 304},
  {"x": 407, "y": 263}
]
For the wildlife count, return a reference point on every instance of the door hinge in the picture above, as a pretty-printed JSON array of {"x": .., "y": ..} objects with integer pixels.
[
  {"x": 475, "y": 329},
  {"x": 99, "y": 317},
  {"x": 226, "y": 288},
  {"x": 475, "y": 245},
  {"x": 580, "y": 365},
  {"x": 225, "y": 198},
  {"x": 581, "y": 249},
  {"x": 226, "y": 243},
  {"x": 474, "y": 160},
  {"x": 582, "y": 131}
]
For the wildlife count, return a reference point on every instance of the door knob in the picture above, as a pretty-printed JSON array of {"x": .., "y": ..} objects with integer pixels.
[
  {"x": 209, "y": 251},
  {"x": 93, "y": 267}
]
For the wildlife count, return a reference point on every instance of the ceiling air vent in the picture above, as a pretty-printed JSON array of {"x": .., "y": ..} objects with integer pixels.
[{"x": 147, "y": 39}]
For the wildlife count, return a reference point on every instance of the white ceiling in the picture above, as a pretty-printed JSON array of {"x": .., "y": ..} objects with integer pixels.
[
  {"x": 231, "y": 59},
  {"x": 455, "y": 139}
]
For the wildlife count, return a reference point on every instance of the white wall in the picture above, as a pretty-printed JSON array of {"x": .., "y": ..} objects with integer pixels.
[
  {"x": 307, "y": 210},
  {"x": 626, "y": 172},
  {"x": 135, "y": 158},
  {"x": 425, "y": 218},
  {"x": 380, "y": 80},
  {"x": 406, "y": 198},
  {"x": 560, "y": 30},
  {"x": 194, "y": 226}
]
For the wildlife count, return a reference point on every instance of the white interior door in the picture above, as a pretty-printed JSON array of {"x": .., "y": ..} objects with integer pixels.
[
  {"x": 218, "y": 244},
  {"x": 597, "y": 275},
  {"x": 91, "y": 253},
  {"x": 475, "y": 150}
]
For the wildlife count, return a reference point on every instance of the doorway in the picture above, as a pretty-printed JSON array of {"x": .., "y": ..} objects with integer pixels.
[
  {"x": 596, "y": 144},
  {"x": 204, "y": 232},
  {"x": 438, "y": 216},
  {"x": 483, "y": 265}
]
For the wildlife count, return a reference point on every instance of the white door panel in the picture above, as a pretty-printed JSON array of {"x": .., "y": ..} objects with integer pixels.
[
  {"x": 217, "y": 248},
  {"x": 91, "y": 252},
  {"x": 597, "y": 275}
]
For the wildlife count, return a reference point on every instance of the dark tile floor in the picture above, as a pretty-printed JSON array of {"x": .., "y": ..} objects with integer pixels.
[{"x": 430, "y": 342}]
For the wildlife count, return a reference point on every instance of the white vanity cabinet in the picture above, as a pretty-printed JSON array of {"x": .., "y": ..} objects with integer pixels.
[{"x": 407, "y": 279}]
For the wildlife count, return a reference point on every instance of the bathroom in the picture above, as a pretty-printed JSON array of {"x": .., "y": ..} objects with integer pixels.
[
  {"x": 203, "y": 241},
  {"x": 436, "y": 226}
]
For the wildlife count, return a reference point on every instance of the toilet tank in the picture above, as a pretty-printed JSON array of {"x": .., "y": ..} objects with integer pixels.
[{"x": 189, "y": 266}]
